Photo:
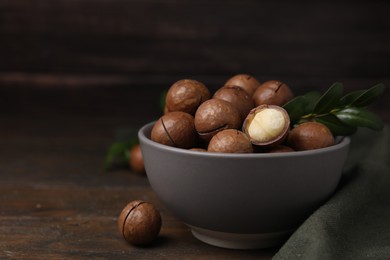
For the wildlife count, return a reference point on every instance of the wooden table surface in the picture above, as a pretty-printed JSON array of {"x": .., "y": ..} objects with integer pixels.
[{"x": 73, "y": 73}]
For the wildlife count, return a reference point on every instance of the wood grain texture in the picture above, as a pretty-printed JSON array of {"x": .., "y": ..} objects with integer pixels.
[
  {"x": 116, "y": 45},
  {"x": 180, "y": 38}
]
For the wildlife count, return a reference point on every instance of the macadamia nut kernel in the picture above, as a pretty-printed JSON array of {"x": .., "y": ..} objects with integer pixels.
[{"x": 267, "y": 125}]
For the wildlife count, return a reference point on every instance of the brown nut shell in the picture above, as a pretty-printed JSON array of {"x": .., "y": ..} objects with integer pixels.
[
  {"x": 309, "y": 136},
  {"x": 230, "y": 141},
  {"x": 281, "y": 149},
  {"x": 166, "y": 111},
  {"x": 175, "y": 129},
  {"x": 215, "y": 115},
  {"x": 136, "y": 161},
  {"x": 198, "y": 149},
  {"x": 238, "y": 97},
  {"x": 244, "y": 81},
  {"x": 272, "y": 92},
  {"x": 139, "y": 223},
  {"x": 186, "y": 95},
  {"x": 267, "y": 125}
]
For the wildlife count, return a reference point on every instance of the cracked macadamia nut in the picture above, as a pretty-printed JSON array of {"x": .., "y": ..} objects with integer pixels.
[
  {"x": 244, "y": 81},
  {"x": 175, "y": 129},
  {"x": 309, "y": 136},
  {"x": 139, "y": 223},
  {"x": 215, "y": 115},
  {"x": 237, "y": 97},
  {"x": 267, "y": 125},
  {"x": 272, "y": 92},
  {"x": 230, "y": 141},
  {"x": 136, "y": 161},
  {"x": 186, "y": 95}
]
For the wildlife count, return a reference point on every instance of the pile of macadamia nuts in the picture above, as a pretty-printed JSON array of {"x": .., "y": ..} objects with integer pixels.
[{"x": 243, "y": 116}]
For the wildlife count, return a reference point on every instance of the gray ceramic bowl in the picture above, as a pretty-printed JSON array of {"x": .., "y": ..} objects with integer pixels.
[{"x": 242, "y": 201}]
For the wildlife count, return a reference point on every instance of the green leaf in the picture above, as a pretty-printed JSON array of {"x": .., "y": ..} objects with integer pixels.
[
  {"x": 359, "y": 117},
  {"x": 337, "y": 127},
  {"x": 349, "y": 98},
  {"x": 311, "y": 99},
  {"x": 368, "y": 96},
  {"x": 295, "y": 108},
  {"x": 301, "y": 105},
  {"x": 114, "y": 151},
  {"x": 341, "y": 114},
  {"x": 119, "y": 151},
  {"x": 330, "y": 99}
]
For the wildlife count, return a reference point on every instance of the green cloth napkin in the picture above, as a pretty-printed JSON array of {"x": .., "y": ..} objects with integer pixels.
[{"x": 355, "y": 222}]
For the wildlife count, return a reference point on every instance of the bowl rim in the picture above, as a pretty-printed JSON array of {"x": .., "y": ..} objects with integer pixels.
[{"x": 342, "y": 142}]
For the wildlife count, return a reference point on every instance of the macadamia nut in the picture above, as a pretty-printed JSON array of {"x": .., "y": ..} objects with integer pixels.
[
  {"x": 309, "y": 136},
  {"x": 175, "y": 129},
  {"x": 186, "y": 95},
  {"x": 230, "y": 141},
  {"x": 267, "y": 125},
  {"x": 139, "y": 223}
]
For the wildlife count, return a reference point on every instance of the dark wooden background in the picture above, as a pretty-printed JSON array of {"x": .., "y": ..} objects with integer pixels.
[
  {"x": 72, "y": 72},
  {"x": 101, "y": 57}
]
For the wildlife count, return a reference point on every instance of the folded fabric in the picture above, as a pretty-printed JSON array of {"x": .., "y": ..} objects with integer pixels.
[{"x": 355, "y": 222}]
